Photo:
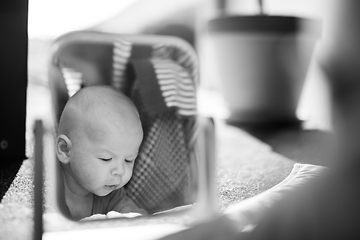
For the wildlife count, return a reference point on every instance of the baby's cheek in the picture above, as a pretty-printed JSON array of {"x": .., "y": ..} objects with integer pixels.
[
  {"x": 93, "y": 175},
  {"x": 128, "y": 175},
  {"x": 89, "y": 179}
]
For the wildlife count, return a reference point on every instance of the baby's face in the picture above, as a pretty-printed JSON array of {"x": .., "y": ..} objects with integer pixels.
[{"x": 105, "y": 163}]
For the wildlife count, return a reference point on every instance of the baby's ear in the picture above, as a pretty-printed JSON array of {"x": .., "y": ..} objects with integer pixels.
[{"x": 63, "y": 146}]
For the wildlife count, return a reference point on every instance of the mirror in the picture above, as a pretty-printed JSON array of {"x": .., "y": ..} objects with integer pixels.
[{"x": 171, "y": 174}]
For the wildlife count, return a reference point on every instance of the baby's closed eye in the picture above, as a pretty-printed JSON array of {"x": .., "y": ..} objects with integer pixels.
[
  {"x": 130, "y": 160},
  {"x": 105, "y": 159}
]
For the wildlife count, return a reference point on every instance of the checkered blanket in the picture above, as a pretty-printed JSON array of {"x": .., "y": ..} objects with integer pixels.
[{"x": 160, "y": 75}]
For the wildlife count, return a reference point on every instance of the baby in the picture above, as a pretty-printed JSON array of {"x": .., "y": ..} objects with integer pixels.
[{"x": 98, "y": 140}]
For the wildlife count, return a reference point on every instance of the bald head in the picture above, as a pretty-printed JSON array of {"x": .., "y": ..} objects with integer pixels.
[{"x": 93, "y": 109}]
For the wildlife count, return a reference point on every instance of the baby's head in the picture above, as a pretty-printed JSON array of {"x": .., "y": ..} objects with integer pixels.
[{"x": 99, "y": 136}]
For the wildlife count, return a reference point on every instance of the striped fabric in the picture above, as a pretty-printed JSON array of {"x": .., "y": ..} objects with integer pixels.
[
  {"x": 73, "y": 80},
  {"x": 121, "y": 54},
  {"x": 176, "y": 85},
  {"x": 176, "y": 78},
  {"x": 181, "y": 54},
  {"x": 178, "y": 73}
]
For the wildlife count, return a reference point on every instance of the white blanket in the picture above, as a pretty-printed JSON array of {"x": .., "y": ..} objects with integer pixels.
[{"x": 248, "y": 212}]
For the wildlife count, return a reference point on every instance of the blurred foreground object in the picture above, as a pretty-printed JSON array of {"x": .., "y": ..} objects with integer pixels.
[
  {"x": 340, "y": 61},
  {"x": 175, "y": 164},
  {"x": 13, "y": 84},
  {"x": 13, "y": 88},
  {"x": 262, "y": 62}
]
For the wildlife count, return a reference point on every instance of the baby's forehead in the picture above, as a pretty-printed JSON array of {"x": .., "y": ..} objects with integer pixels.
[
  {"x": 107, "y": 119},
  {"x": 93, "y": 106},
  {"x": 102, "y": 129}
]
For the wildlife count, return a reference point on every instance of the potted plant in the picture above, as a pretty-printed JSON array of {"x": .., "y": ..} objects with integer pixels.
[{"x": 262, "y": 61}]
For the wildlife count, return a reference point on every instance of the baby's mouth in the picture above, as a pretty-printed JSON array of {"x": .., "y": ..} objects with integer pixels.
[{"x": 113, "y": 187}]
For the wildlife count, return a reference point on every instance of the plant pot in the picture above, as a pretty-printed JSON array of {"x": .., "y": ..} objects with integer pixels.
[{"x": 262, "y": 62}]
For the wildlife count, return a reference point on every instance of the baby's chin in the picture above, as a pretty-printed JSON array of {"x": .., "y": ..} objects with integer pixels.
[
  {"x": 106, "y": 190},
  {"x": 102, "y": 193}
]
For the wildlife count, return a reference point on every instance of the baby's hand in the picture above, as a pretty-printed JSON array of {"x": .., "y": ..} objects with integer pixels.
[
  {"x": 94, "y": 217},
  {"x": 113, "y": 214}
]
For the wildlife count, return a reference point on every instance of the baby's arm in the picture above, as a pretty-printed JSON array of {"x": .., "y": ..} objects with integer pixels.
[
  {"x": 121, "y": 203},
  {"x": 117, "y": 204},
  {"x": 126, "y": 205}
]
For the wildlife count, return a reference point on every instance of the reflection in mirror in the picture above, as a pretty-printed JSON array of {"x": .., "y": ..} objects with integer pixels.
[
  {"x": 98, "y": 140},
  {"x": 127, "y": 140}
]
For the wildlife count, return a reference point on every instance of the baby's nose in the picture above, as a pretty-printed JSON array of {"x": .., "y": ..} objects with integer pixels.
[{"x": 119, "y": 169}]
